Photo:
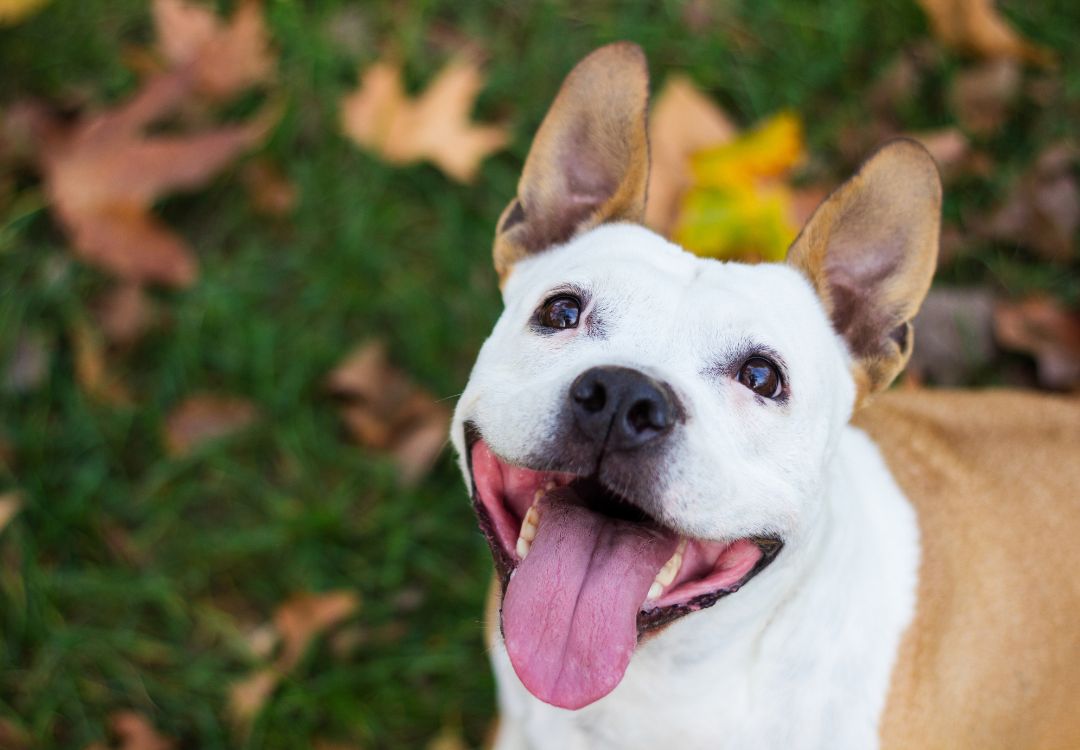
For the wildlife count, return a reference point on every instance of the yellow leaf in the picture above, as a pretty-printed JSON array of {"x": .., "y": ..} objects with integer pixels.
[
  {"x": 434, "y": 126},
  {"x": 739, "y": 206},
  {"x": 15, "y": 11}
]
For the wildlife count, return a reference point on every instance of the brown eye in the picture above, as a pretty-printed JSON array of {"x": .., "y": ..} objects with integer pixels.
[
  {"x": 560, "y": 312},
  {"x": 761, "y": 376}
]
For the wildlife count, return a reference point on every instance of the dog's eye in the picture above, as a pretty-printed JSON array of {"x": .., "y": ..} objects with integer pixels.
[
  {"x": 761, "y": 376},
  {"x": 560, "y": 312}
]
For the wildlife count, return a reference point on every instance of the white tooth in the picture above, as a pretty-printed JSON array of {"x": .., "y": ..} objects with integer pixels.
[
  {"x": 654, "y": 591},
  {"x": 523, "y": 548},
  {"x": 528, "y": 526},
  {"x": 667, "y": 573}
]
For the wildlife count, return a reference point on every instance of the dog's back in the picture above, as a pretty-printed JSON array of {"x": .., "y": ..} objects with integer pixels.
[{"x": 992, "y": 659}]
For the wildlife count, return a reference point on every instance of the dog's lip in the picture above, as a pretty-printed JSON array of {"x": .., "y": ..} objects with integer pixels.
[{"x": 652, "y": 616}]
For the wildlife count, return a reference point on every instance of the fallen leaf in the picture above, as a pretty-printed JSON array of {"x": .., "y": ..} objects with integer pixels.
[
  {"x": 205, "y": 417},
  {"x": 249, "y": 695},
  {"x": 434, "y": 126},
  {"x": 448, "y": 738},
  {"x": 954, "y": 336},
  {"x": 226, "y": 58},
  {"x": 982, "y": 97},
  {"x": 28, "y": 363},
  {"x": 270, "y": 191},
  {"x": 103, "y": 174},
  {"x": 91, "y": 371},
  {"x": 10, "y": 505},
  {"x": 135, "y": 732},
  {"x": 684, "y": 121},
  {"x": 124, "y": 313},
  {"x": 1041, "y": 327},
  {"x": 1042, "y": 211},
  {"x": 16, "y": 11},
  {"x": 975, "y": 26},
  {"x": 385, "y": 411},
  {"x": 740, "y": 205}
]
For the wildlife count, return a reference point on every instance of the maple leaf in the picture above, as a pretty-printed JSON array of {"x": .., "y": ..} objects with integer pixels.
[
  {"x": 740, "y": 205},
  {"x": 205, "y": 417},
  {"x": 226, "y": 58},
  {"x": 103, "y": 174},
  {"x": 975, "y": 26},
  {"x": 435, "y": 126}
]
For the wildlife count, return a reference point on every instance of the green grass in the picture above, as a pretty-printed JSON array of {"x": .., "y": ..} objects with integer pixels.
[{"x": 216, "y": 540}]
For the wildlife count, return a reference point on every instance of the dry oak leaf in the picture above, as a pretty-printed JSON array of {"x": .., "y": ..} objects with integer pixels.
[
  {"x": 1041, "y": 327},
  {"x": 385, "y": 411},
  {"x": 226, "y": 58},
  {"x": 435, "y": 126},
  {"x": 975, "y": 26},
  {"x": 205, "y": 417},
  {"x": 16, "y": 11},
  {"x": 103, "y": 174},
  {"x": 10, "y": 505},
  {"x": 684, "y": 121}
]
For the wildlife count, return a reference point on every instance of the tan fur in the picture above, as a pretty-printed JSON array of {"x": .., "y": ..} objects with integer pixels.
[
  {"x": 992, "y": 659},
  {"x": 870, "y": 251},
  {"x": 589, "y": 161}
]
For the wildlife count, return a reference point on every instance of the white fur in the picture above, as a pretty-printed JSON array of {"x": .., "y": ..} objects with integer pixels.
[{"x": 800, "y": 657}]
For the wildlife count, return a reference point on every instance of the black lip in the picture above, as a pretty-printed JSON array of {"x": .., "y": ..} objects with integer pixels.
[{"x": 647, "y": 621}]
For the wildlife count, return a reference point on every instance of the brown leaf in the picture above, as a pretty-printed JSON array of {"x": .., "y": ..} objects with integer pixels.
[
  {"x": 103, "y": 174},
  {"x": 10, "y": 505},
  {"x": 1042, "y": 211},
  {"x": 982, "y": 96},
  {"x": 124, "y": 313},
  {"x": 270, "y": 191},
  {"x": 684, "y": 121},
  {"x": 385, "y": 411},
  {"x": 226, "y": 58},
  {"x": 135, "y": 732},
  {"x": 305, "y": 616},
  {"x": 16, "y": 11},
  {"x": 13, "y": 736},
  {"x": 954, "y": 336},
  {"x": 448, "y": 738},
  {"x": 91, "y": 371},
  {"x": 205, "y": 417},
  {"x": 248, "y": 696},
  {"x": 28, "y": 363},
  {"x": 1041, "y": 327},
  {"x": 434, "y": 126},
  {"x": 975, "y": 26}
]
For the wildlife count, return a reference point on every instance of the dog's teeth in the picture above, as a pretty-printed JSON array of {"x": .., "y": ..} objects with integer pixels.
[
  {"x": 528, "y": 526},
  {"x": 669, "y": 571},
  {"x": 655, "y": 591},
  {"x": 523, "y": 547}
]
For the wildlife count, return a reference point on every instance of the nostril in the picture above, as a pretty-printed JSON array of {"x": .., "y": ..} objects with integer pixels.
[
  {"x": 592, "y": 395},
  {"x": 646, "y": 415}
]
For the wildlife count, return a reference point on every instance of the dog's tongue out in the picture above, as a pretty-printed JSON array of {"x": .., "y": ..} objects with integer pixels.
[{"x": 570, "y": 612}]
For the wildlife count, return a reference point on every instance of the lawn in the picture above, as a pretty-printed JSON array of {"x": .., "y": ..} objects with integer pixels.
[{"x": 132, "y": 578}]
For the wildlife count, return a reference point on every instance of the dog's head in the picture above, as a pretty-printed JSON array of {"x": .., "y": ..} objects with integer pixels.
[{"x": 646, "y": 430}]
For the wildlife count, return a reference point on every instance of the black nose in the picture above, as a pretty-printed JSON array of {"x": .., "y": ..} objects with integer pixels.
[{"x": 622, "y": 406}]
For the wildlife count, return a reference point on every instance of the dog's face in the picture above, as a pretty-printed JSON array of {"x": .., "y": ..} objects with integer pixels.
[{"x": 645, "y": 431}]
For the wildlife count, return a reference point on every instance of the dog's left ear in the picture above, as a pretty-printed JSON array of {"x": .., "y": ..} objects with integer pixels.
[
  {"x": 589, "y": 162},
  {"x": 870, "y": 251}
]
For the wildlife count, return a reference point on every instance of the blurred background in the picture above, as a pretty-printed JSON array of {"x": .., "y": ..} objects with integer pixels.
[{"x": 245, "y": 268}]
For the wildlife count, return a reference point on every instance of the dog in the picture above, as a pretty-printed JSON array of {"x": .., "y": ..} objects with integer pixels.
[{"x": 712, "y": 525}]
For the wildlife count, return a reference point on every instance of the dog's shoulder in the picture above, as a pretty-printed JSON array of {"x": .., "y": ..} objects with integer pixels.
[{"x": 994, "y": 477}]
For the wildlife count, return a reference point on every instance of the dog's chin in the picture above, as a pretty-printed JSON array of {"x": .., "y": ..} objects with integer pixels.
[{"x": 586, "y": 573}]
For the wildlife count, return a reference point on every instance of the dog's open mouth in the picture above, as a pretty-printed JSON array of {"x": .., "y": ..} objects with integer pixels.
[{"x": 586, "y": 572}]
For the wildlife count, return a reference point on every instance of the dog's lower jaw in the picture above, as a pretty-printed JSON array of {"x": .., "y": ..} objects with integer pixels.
[{"x": 799, "y": 659}]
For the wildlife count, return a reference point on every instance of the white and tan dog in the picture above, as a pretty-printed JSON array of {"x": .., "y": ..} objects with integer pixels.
[{"x": 697, "y": 544}]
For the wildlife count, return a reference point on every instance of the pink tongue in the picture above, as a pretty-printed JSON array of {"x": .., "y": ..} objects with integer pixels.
[{"x": 570, "y": 612}]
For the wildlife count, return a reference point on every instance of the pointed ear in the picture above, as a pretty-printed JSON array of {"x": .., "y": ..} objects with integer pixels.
[
  {"x": 589, "y": 162},
  {"x": 870, "y": 251}
]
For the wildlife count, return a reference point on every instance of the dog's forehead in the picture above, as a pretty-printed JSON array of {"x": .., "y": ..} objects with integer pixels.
[{"x": 629, "y": 270}]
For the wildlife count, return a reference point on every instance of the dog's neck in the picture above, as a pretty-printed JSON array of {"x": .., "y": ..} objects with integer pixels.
[{"x": 829, "y": 613}]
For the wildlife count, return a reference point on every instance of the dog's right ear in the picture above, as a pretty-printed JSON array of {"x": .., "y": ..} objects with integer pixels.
[{"x": 589, "y": 162}]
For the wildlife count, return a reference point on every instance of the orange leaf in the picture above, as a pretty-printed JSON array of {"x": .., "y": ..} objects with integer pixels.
[
  {"x": 15, "y": 11},
  {"x": 205, "y": 417},
  {"x": 1041, "y": 327},
  {"x": 434, "y": 126},
  {"x": 305, "y": 616},
  {"x": 136, "y": 733},
  {"x": 103, "y": 175},
  {"x": 227, "y": 58},
  {"x": 684, "y": 121},
  {"x": 248, "y": 696},
  {"x": 975, "y": 26}
]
